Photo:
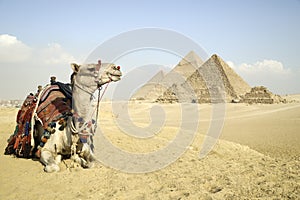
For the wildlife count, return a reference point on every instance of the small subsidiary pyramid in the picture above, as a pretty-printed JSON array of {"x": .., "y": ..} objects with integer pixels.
[
  {"x": 261, "y": 94},
  {"x": 189, "y": 64},
  {"x": 214, "y": 81}
]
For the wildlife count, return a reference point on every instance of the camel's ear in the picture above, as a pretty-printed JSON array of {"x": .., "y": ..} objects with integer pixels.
[{"x": 75, "y": 67}]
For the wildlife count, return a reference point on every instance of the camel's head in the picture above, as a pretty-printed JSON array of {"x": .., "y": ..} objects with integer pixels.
[
  {"x": 95, "y": 75},
  {"x": 109, "y": 72}
]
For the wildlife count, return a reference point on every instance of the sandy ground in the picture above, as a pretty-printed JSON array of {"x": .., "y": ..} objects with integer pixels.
[{"x": 257, "y": 157}]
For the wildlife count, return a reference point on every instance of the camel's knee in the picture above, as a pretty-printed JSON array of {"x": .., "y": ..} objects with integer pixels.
[{"x": 46, "y": 157}]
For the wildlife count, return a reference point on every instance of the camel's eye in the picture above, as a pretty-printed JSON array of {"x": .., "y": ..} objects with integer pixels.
[
  {"x": 90, "y": 66},
  {"x": 91, "y": 69},
  {"x": 116, "y": 67}
]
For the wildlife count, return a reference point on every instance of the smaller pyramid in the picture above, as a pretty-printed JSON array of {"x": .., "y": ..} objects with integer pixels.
[
  {"x": 261, "y": 94},
  {"x": 145, "y": 89},
  {"x": 157, "y": 77}
]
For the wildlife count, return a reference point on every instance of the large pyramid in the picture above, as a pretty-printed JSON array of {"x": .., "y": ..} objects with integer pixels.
[
  {"x": 178, "y": 75},
  {"x": 214, "y": 81}
]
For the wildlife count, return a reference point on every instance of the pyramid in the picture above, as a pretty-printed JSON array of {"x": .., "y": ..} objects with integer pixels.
[
  {"x": 214, "y": 81},
  {"x": 190, "y": 58},
  {"x": 157, "y": 77},
  {"x": 145, "y": 89},
  {"x": 178, "y": 75},
  {"x": 261, "y": 94}
]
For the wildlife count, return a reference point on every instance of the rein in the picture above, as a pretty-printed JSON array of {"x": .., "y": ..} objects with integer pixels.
[
  {"x": 87, "y": 124},
  {"x": 98, "y": 102},
  {"x": 78, "y": 86}
]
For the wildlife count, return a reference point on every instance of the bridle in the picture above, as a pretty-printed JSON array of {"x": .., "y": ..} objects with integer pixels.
[
  {"x": 96, "y": 76},
  {"x": 81, "y": 88},
  {"x": 99, "y": 88}
]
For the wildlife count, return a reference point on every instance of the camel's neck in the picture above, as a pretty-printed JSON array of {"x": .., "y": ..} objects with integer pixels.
[{"x": 82, "y": 102}]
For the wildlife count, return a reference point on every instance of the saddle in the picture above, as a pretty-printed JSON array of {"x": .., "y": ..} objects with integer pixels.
[{"x": 52, "y": 104}]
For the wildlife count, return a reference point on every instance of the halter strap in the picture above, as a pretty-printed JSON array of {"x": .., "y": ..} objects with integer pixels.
[{"x": 80, "y": 87}]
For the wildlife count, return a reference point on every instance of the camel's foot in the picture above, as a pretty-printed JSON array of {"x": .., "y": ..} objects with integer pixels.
[
  {"x": 51, "y": 162},
  {"x": 51, "y": 168}
]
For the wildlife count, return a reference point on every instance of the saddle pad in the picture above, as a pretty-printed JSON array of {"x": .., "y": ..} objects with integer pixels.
[{"x": 53, "y": 107}]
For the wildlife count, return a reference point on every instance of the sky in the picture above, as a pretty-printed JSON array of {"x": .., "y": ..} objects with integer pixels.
[{"x": 259, "y": 39}]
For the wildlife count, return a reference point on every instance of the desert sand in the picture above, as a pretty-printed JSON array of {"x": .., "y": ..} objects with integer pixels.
[{"x": 256, "y": 157}]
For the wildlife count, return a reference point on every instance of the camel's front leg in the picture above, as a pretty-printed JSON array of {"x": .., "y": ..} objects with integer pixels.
[
  {"x": 83, "y": 157},
  {"x": 87, "y": 154},
  {"x": 51, "y": 163}
]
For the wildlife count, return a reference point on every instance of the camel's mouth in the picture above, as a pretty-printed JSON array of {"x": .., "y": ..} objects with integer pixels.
[{"x": 116, "y": 75}]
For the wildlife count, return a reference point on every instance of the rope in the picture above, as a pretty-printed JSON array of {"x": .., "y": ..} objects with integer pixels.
[
  {"x": 97, "y": 108},
  {"x": 80, "y": 87},
  {"x": 98, "y": 102}
]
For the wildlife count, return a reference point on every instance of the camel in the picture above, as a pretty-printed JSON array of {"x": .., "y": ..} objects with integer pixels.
[{"x": 75, "y": 138}]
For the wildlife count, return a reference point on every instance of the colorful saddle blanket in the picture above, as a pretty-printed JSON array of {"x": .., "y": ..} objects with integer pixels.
[
  {"x": 51, "y": 105},
  {"x": 20, "y": 142}
]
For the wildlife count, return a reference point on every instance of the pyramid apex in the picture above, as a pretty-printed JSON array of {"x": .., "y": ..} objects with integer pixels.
[
  {"x": 216, "y": 57},
  {"x": 191, "y": 57},
  {"x": 157, "y": 77},
  {"x": 191, "y": 52}
]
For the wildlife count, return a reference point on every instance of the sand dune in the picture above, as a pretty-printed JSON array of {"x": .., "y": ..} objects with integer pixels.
[{"x": 257, "y": 157}]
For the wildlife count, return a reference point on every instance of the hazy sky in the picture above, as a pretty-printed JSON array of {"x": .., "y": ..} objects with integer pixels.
[{"x": 260, "y": 39}]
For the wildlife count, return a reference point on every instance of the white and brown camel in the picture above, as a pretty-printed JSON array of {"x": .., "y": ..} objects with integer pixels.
[{"x": 86, "y": 79}]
